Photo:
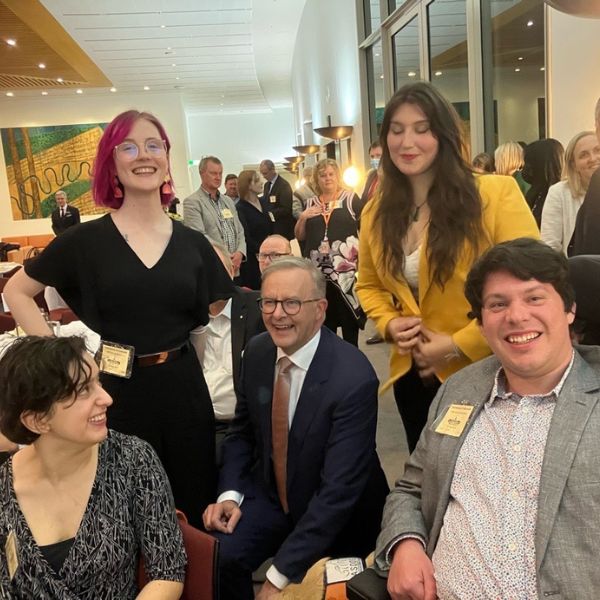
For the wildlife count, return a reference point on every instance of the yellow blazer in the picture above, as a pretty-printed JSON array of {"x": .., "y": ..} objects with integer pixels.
[{"x": 385, "y": 296}]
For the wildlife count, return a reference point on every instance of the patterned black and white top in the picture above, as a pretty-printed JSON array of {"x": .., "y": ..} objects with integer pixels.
[{"x": 130, "y": 513}]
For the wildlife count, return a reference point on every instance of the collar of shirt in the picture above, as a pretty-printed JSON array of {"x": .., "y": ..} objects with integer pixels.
[
  {"x": 499, "y": 391},
  {"x": 226, "y": 312},
  {"x": 272, "y": 182},
  {"x": 303, "y": 356},
  {"x": 215, "y": 197}
]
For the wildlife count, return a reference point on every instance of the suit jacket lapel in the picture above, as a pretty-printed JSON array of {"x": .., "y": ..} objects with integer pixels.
[
  {"x": 573, "y": 408},
  {"x": 310, "y": 396},
  {"x": 238, "y": 325}
]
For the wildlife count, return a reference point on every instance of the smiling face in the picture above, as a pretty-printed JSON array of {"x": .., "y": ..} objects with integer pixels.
[
  {"x": 527, "y": 328},
  {"x": 82, "y": 419},
  {"x": 586, "y": 157},
  {"x": 412, "y": 146},
  {"x": 291, "y": 332},
  {"x": 231, "y": 187},
  {"x": 147, "y": 172}
]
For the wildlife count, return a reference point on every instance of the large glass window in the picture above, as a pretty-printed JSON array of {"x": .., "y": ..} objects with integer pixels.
[
  {"x": 372, "y": 16},
  {"x": 376, "y": 93},
  {"x": 514, "y": 82},
  {"x": 405, "y": 50},
  {"x": 447, "y": 26}
]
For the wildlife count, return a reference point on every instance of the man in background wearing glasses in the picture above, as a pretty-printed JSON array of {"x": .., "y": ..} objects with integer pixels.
[
  {"x": 273, "y": 248},
  {"x": 301, "y": 478}
]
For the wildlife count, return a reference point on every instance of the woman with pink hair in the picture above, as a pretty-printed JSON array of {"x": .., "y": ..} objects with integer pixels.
[{"x": 143, "y": 282}]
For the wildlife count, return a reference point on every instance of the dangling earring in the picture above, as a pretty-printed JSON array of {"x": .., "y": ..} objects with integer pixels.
[
  {"x": 117, "y": 191},
  {"x": 165, "y": 188}
]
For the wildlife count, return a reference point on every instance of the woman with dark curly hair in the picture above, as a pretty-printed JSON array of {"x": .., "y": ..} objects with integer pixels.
[{"x": 420, "y": 235}]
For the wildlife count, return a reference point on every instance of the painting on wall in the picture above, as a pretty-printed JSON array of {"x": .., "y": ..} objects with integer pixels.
[{"x": 42, "y": 160}]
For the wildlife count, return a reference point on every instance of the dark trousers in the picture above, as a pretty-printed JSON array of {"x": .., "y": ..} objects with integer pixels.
[
  {"x": 339, "y": 315},
  {"x": 258, "y": 535},
  {"x": 413, "y": 398}
]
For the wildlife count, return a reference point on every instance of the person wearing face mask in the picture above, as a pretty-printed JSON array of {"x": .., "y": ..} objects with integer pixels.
[
  {"x": 143, "y": 282},
  {"x": 430, "y": 220},
  {"x": 372, "y": 176},
  {"x": 582, "y": 158}
]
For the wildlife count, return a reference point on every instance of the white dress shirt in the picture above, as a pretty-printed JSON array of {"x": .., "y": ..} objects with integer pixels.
[{"x": 301, "y": 360}]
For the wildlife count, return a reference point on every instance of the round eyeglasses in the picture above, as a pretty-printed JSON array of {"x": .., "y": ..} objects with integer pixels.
[
  {"x": 291, "y": 306},
  {"x": 130, "y": 150}
]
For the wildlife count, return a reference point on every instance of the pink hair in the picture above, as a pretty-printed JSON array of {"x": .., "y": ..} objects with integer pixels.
[{"x": 105, "y": 171}]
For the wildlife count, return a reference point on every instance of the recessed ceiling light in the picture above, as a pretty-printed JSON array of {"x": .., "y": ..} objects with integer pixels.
[
  {"x": 520, "y": 58},
  {"x": 381, "y": 77},
  {"x": 44, "y": 93},
  {"x": 529, "y": 23},
  {"x": 174, "y": 64},
  {"x": 59, "y": 79},
  {"x": 176, "y": 77},
  {"x": 146, "y": 88},
  {"x": 79, "y": 91},
  {"x": 376, "y": 53},
  {"x": 412, "y": 74},
  {"x": 113, "y": 89},
  {"x": 10, "y": 94},
  {"x": 542, "y": 68},
  {"x": 42, "y": 66},
  {"x": 517, "y": 70},
  {"x": 438, "y": 73},
  {"x": 162, "y": 26},
  {"x": 11, "y": 42},
  {"x": 169, "y": 48}
]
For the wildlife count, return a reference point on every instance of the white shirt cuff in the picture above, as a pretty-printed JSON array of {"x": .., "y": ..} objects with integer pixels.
[
  {"x": 276, "y": 578},
  {"x": 231, "y": 495}
]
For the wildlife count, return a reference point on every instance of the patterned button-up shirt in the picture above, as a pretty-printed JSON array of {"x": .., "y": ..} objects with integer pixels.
[{"x": 486, "y": 548}]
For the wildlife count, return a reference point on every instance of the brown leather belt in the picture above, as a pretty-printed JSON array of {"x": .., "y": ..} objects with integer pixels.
[{"x": 149, "y": 360}]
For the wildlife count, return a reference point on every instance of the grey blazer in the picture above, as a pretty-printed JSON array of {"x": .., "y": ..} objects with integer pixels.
[
  {"x": 200, "y": 214},
  {"x": 567, "y": 538}
]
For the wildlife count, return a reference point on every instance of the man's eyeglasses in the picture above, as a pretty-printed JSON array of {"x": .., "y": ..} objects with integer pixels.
[
  {"x": 262, "y": 256},
  {"x": 290, "y": 306},
  {"x": 130, "y": 150}
]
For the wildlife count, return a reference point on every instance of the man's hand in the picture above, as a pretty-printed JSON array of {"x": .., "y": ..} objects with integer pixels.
[
  {"x": 222, "y": 516},
  {"x": 236, "y": 259},
  {"x": 431, "y": 350},
  {"x": 268, "y": 590},
  {"x": 404, "y": 332},
  {"x": 411, "y": 574}
]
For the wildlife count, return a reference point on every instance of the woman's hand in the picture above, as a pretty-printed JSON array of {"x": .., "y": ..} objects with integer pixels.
[
  {"x": 432, "y": 349},
  {"x": 307, "y": 213},
  {"x": 311, "y": 211},
  {"x": 404, "y": 332}
]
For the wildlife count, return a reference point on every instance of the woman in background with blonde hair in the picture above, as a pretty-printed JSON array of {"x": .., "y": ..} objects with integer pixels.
[
  {"x": 509, "y": 161},
  {"x": 582, "y": 158}
]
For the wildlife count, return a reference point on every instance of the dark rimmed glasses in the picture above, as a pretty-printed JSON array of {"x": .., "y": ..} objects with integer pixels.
[
  {"x": 130, "y": 150},
  {"x": 262, "y": 256},
  {"x": 291, "y": 306}
]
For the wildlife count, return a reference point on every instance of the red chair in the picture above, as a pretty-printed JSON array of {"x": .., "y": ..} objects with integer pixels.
[
  {"x": 202, "y": 555},
  {"x": 7, "y": 323}
]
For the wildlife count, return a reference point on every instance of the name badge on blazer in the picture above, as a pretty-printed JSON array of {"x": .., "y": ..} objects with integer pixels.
[
  {"x": 227, "y": 214},
  {"x": 272, "y": 199},
  {"x": 453, "y": 420}
]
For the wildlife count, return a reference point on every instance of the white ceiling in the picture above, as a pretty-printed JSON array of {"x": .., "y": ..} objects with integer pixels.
[{"x": 219, "y": 55}]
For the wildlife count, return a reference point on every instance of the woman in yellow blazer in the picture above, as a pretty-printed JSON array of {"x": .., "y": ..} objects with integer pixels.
[{"x": 419, "y": 237}]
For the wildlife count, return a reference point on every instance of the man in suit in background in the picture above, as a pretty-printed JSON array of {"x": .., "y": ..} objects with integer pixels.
[
  {"x": 273, "y": 248},
  {"x": 64, "y": 215},
  {"x": 500, "y": 498},
  {"x": 214, "y": 214},
  {"x": 220, "y": 344},
  {"x": 277, "y": 200},
  {"x": 301, "y": 478}
]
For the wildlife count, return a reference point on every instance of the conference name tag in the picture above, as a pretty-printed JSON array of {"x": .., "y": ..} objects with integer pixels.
[
  {"x": 116, "y": 359},
  {"x": 12, "y": 558},
  {"x": 227, "y": 214},
  {"x": 272, "y": 199},
  {"x": 454, "y": 420}
]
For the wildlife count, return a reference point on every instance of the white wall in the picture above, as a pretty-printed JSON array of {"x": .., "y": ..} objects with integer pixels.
[
  {"x": 574, "y": 49},
  {"x": 240, "y": 139},
  {"x": 65, "y": 110},
  {"x": 325, "y": 70}
]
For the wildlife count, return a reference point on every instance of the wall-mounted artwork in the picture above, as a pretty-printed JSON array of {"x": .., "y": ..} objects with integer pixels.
[{"x": 42, "y": 160}]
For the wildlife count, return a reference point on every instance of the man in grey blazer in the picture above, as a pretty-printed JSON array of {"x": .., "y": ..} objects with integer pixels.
[
  {"x": 501, "y": 497},
  {"x": 214, "y": 214}
]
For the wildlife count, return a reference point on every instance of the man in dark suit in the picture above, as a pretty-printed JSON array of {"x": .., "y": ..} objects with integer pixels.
[
  {"x": 220, "y": 344},
  {"x": 277, "y": 200},
  {"x": 63, "y": 216},
  {"x": 301, "y": 478}
]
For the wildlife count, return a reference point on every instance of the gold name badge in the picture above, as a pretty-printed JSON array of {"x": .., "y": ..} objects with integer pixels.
[
  {"x": 272, "y": 199},
  {"x": 455, "y": 419},
  {"x": 12, "y": 557},
  {"x": 116, "y": 359},
  {"x": 227, "y": 214}
]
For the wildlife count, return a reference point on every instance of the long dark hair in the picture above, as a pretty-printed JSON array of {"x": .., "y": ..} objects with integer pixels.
[{"x": 453, "y": 199}]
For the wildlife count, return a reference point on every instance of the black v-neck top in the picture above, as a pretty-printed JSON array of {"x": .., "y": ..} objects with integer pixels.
[
  {"x": 110, "y": 289},
  {"x": 56, "y": 554}
]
